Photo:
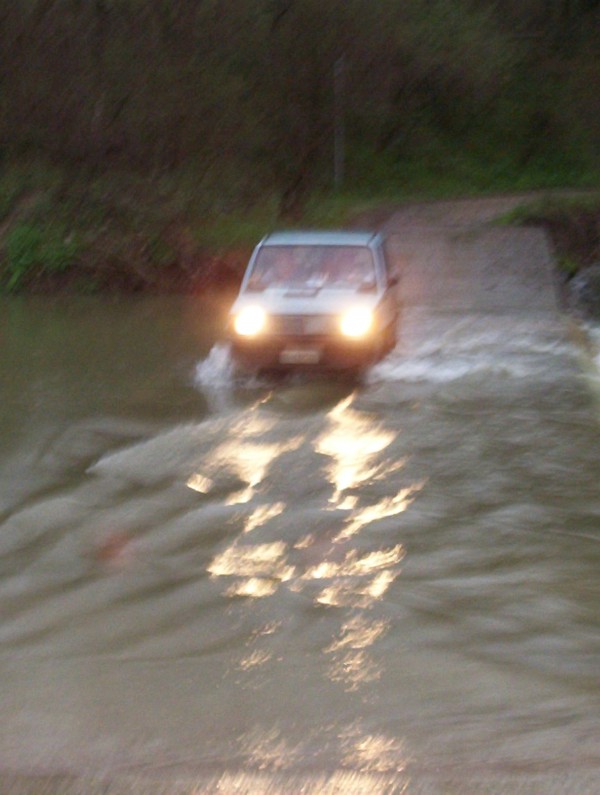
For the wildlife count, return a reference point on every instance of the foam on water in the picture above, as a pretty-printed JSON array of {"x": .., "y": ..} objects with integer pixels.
[
  {"x": 467, "y": 349},
  {"x": 594, "y": 336},
  {"x": 472, "y": 348},
  {"x": 592, "y": 333},
  {"x": 460, "y": 348}
]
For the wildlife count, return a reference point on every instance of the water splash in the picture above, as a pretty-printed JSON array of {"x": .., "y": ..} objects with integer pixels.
[
  {"x": 455, "y": 349},
  {"x": 223, "y": 384},
  {"x": 214, "y": 376}
]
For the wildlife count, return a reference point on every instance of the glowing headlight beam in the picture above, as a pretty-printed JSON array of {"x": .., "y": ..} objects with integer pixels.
[
  {"x": 356, "y": 322},
  {"x": 250, "y": 321}
]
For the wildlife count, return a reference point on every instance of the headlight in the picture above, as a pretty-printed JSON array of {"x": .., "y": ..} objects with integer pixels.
[
  {"x": 250, "y": 321},
  {"x": 356, "y": 322}
]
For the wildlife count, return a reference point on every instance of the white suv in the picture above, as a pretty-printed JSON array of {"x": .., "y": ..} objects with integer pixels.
[{"x": 315, "y": 299}]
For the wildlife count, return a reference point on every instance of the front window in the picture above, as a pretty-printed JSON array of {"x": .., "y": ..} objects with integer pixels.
[{"x": 337, "y": 267}]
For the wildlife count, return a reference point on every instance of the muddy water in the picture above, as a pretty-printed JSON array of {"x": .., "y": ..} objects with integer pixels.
[{"x": 389, "y": 582}]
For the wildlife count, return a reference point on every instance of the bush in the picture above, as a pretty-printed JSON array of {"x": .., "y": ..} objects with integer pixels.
[{"x": 35, "y": 248}]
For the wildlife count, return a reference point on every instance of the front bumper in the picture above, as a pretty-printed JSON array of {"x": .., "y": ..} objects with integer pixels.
[{"x": 308, "y": 352}]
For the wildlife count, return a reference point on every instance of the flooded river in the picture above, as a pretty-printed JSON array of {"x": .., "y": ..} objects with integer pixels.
[{"x": 383, "y": 587}]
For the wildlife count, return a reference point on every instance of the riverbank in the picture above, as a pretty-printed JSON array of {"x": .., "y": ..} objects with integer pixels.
[{"x": 111, "y": 235}]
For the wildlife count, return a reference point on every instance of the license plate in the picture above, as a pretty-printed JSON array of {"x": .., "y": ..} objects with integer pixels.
[{"x": 300, "y": 356}]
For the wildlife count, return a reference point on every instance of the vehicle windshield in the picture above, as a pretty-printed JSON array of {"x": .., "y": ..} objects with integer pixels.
[{"x": 313, "y": 266}]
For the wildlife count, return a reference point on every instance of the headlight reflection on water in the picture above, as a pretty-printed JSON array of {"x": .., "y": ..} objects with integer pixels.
[
  {"x": 255, "y": 587},
  {"x": 332, "y": 571},
  {"x": 351, "y": 663},
  {"x": 353, "y": 593},
  {"x": 355, "y": 565},
  {"x": 249, "y": 560},
  {"x": 263, "y": 514},
  {"x": 362, "y": 753},
  {"x": 245, "y": 455},
  {"x": 352, "y": 442},
  {"x": 200, "y": 483},
  {"x": 251, "y": 460},
  {"x": 389, "y": 506},
  {"x": 348, "y": 782}
]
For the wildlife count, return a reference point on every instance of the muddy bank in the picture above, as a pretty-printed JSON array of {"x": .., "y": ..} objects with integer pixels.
[
  {"x": 175, "y": 263},
  {"x": 189, "y": 273}
]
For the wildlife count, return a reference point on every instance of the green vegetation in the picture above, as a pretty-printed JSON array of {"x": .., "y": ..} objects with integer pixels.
[
  {"x": 155, "y": 133},
  {"x": 553, "y": 208},
  {"x": 45, "y": 249}
]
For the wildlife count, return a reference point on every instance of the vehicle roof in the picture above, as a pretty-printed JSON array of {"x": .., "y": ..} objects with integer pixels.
[{"x": 320, "y": 238}]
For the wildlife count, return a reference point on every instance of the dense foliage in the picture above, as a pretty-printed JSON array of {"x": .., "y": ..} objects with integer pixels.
[
  {"x": 242, "y": 91},
  {"x": 132, "y": 131}
]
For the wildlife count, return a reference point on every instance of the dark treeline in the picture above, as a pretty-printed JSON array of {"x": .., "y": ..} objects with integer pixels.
[{"x": 246, "y": 87}]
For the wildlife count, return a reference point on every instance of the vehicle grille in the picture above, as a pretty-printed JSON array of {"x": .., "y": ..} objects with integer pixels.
[{"x": 302, "y": 324}]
